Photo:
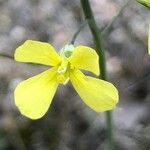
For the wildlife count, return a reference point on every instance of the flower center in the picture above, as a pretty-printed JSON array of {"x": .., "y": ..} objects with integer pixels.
[
  {"x": 63, "y": 69},
  {"x": 62, "y": 76}
]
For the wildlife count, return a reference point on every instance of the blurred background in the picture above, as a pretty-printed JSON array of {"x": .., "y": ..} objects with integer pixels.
[{"x": 69, "y": 123}]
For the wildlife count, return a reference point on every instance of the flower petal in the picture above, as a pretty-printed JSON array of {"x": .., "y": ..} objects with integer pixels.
[
  {"x": 34, "y": 95},
  {"x": 37, "y": 52},
  {"x": 85, "y": 58},
  {"x": 97, "y": 94}
]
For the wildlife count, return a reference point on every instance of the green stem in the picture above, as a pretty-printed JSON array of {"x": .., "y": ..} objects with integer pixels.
[
  {"x": 5, "y": 55},
  {"x": 110, "y": 134},
  {"x": 78, "y": 31},
  {"x": 100, "y": 51},
  {"x": 96, "y": 36},
  {"x": 108, "y": 28}
]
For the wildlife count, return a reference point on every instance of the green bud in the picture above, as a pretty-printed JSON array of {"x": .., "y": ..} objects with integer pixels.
[{"x": 67, "y": 50}]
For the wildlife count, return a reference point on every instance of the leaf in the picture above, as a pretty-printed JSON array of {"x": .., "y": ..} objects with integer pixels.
[{"x": 144, "y": 2}]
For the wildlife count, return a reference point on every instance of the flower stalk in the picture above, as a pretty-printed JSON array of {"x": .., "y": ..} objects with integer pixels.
[
  {"x": 78, "y": 31},
  {"x": 100, "y": 51}
]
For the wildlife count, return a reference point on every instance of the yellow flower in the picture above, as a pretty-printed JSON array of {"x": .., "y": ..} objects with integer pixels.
[{"x": 34, "y": 95}]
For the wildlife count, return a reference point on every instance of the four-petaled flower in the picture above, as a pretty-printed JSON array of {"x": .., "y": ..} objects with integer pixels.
[{"x": 34, "y": 95}]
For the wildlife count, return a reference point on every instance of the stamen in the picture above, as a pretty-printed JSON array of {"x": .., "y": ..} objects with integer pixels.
[
  {"x": 66, "y": 81},
  {"x": 62, "y": 79},
  {"x": 63, "y": 67},
  {"x": 61, "y": 70}
]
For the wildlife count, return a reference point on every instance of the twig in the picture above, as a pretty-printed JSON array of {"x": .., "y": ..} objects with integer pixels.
[
  {"x": 5, "y": 55},
  {"x": 78, "y": 31},
  {"x": 107, "y": 29}
]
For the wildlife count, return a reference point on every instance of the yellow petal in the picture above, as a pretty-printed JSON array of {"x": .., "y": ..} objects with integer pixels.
[
  {"x": 149, "y": 41},
  {"x": 85, "y": 58},
  {"x": 97, "y": 94},
  {"x": 34, "y": 95},
  {"x": 37, "y": 52}
]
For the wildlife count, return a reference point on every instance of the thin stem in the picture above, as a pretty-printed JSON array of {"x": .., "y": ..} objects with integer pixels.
[
  {"x": 78, "y": 31},
  {"x": 100, "y": 51},
  {"x": 110, "y": 134},
  {"x": 5, "y": 55},
  {"x": 108, "y": 28},
  {"x": 96, "y": 36}
]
